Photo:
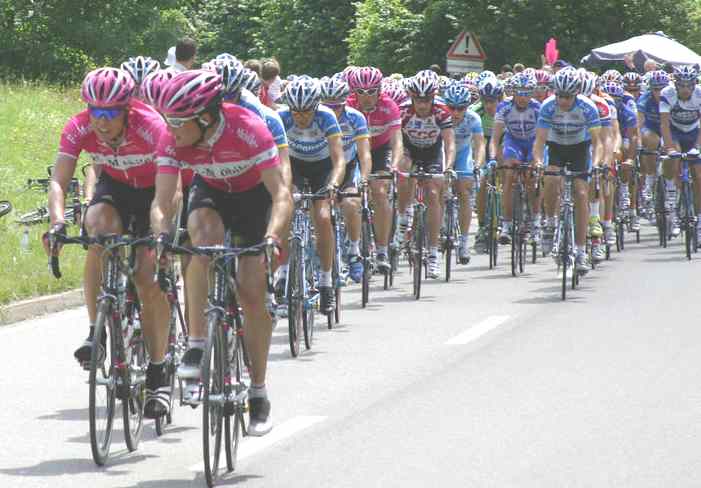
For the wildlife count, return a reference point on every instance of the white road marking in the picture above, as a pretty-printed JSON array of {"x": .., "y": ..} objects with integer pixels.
[
  {"x": 253, "y": 445},
  {"x": 477, "y": 331}
]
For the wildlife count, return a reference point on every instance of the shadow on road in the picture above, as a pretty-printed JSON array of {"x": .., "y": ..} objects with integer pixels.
[
  {"x": 67, "y": 414},
  {"x": 62, "y": 467},
  {"x": 226, "y": 480}
]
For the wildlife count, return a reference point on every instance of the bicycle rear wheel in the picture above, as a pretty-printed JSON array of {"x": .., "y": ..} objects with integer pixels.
[
  {"x": 213, "y": 397},
  {"x": 38, "y": 216},
  {"x": 564, "y": 259},
  {"x": 309, "y": 309},
  {"x": 296, "y": 299},
  {"x": 418, "y": 252},
  {"x": 134, "y": 378},
  {"x": 103, "y": 383},
  {"x": 234, "y": 424}
]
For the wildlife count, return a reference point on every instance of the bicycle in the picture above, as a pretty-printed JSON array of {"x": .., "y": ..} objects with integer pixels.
[
  {"x": 338, "y": 275},
  {"x": 223, "y": 388},
  {"x": 594, "y": 243},
  {"x": 368, "y": 224},
  {"x": 416, "y": 243},
  {"x": 5, "y": 208},
  {"x": 492, "y": 215},
  {"x": 564, "y": 250},
  {"x": 520, "y": 219},
  {"x": 451, "y": 225},
  {"x": 688, "y": 220},
  {"x": 120, "y": 368},
  {"x": 73, "y": 213}
]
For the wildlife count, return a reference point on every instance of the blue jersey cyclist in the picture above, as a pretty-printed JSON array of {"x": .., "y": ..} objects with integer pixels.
[
  {"x": 680, "y": 110},
  {"x": 469, "y": 156},
  {"x": 316, "y": 155},
  {"x": 516, "y": 118},
  {"x": 569, "y": 124}
]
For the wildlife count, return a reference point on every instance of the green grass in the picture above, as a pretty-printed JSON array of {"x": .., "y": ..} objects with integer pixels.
[{"x": 31, "y": 119}]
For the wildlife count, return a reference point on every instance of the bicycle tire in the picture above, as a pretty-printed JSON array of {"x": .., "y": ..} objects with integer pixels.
[
  {"x": 35, "y": 217},
  {"x": 365, "y": 253},
  {"x": 493, "y": 230},
  {"x": 100, "y": 444},
  {"x": 233, "y": 433},
  {"x": 418, "y": 252},
  {"x": 564, "y": 256},
  {"x": 212, "y": 384},
  {"x": 5, "y": 208},
  {"x": 296, "y": 299},
  {"x": 165, "y": 420},
  {"x": 308, "y": 275},
  {"x": 515, "y": 230},
  {"x": 522, "y": 256},
  {"x": 133, "y": 404}
]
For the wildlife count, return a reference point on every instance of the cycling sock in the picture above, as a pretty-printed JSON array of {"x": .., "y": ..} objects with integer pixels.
[
  {"x": 382, "y": 250},
  {"x": 282, "y": 272},
  {"x": 194, "y": 343},
  {"x": 594, "y": 212},
  {"x": 325, "y": 278},
  {"x": 257, "y": 391},
  {"x": 433, "y": 251},
  {"x": 354, "y": 248},
  {"x": 536, "y": 220}
]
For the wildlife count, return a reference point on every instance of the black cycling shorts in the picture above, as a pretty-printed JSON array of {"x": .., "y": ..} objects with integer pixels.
[
  {"x": 349, "y": 177},
  {"x": 317, "y": 172},
  {"x": 245, "y": 214},
  {"x": 575, "y": 157},
  {"x": 381, "y": 158},
  {"x": 428, "y": 159},
  {"x": 132, "y": 204}
]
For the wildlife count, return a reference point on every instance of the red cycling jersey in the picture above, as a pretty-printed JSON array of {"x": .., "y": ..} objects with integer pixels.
[{"x": 382, "y": 122}]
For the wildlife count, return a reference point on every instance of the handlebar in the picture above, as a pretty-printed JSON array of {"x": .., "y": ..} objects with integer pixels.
[{"x": 688, "y": 156}]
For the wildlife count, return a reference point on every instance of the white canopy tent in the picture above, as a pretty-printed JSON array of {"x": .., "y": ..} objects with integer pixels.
[{"x": 655, "y": 46}]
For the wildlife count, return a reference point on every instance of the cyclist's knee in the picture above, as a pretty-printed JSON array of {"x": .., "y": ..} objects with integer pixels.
[
  {"x": 101, "y": 219},
  {"x": 205, "y": 227}
]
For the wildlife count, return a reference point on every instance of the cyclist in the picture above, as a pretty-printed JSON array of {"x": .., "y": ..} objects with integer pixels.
[
  {"x": 542, "y": 89},
  {"x": 429, "y": 140},
  {"x": 569, "y": 124},
  {"x": 120, "y": 134},
  {"x": 238, "y": 182},
  {"x": 469, "y": 141},
  {"x": 387, "y": 150},
  {"x": 650, "y": 132},
  {"x": 139, "y": 68},
  {"x": 316, "y": 153},
  {"x": 516, "y": 120},
  {"x": 680, "y": 111},
  {"x": 491, "y": 93},
  {"x": 356, "y": 147}
]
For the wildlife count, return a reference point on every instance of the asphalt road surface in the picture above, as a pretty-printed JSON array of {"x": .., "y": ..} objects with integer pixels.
[{"x": 486, "y": 381}]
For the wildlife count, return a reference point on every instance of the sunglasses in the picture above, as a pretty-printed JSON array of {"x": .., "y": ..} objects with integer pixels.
[
  {"x": 460, "y": 108},
  {"x": 105, "y": 113},
  {"x": 564, "y": 96},
  {"x": 178, "y": 122},
  {"x": 369, "y": 92},
  {"x": 523, "y": 93},
  {"x": 335, "y": 105},
  {"x": 542, "y": 88},
  {"x": 427, "y": 99}
]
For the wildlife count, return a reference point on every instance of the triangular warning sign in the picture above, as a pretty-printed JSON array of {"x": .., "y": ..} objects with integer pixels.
[{"x": 467, "y": 46}]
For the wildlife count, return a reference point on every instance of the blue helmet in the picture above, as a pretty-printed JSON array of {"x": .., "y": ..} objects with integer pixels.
[
  {"x": 658, "y": 79},
  {"x": 334, "y": 89},
  {"x": 491, "y": 88},
  {"x": 457, "y": 95},
  {"x": 303, "y": 94},
  {"x": 686, "y": 73},
  {"x": 614, "y": 89},
  {"x": 566, "y": 81}
]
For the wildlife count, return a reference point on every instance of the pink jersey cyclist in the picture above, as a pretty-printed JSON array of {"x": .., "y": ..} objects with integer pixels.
[{"x": 383, "y": 121}]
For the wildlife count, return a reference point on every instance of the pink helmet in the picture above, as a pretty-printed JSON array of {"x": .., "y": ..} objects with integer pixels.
[
  {"x": 542, "y": 77},
  {"x": 189, "y": 93},
  {"x": 107, "y": 87},
  {"x": 348, "y": 73},
  {"x": 152, "y": 86},
  {"x": 395, "y": 92},
  {"x": 366, "y": 78}
]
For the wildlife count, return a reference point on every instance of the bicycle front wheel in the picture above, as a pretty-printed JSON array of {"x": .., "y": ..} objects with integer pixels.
[
  {"x": 213, "y": 396},
  {"x": 135, "y": 385},
  {"x": 295, "y": 299},
  {"x": 5, "y": 208},
  {"x": 418, "y": 247},
  {"x": 234, "y": 424},
  {"x": 365, "y": 252},
  {"x": 102, "y": 385}
]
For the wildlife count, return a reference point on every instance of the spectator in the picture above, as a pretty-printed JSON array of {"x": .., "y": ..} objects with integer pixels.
[
  {"x": 254, "y": 65},
  {"x": 519, "y": 67},
  {"x": 185, "y": 52},
  {"x": 436, "y": 69},
  {"x": 668, "y": 68},
  {"x": 506, "y": 69},
  {"x": 272, "y": 84},
  {"x": 559, "y": 64},
  {"x": 650, "y": 65}
]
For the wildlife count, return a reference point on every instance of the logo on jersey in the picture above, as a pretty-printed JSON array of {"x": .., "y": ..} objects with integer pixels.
[{"x": 247, "y": 137}]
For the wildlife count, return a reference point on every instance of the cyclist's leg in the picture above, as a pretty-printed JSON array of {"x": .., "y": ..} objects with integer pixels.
[
  {"x": 581, "y": 161},
  {"x": 351, "y": 213},
  {"x": 380, "y": 198},
  {"x": 648, "y": 167},
  {"x": 325, "y": 240}
]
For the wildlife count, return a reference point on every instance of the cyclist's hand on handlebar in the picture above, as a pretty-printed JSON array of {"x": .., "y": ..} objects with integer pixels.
[
  {"x": 450, "y": 173},
  {"x": 47, "y": 239}
]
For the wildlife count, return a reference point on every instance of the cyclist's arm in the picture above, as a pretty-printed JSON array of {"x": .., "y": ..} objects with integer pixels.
[
  {"x": 608, "y": 137},
  {"x": 497, "y": 131},
  {"x": 666, "y": 131},
  {"x": 364, "y": 156},
  {"x": 632, "y": 133},
  {"x": 63, "y": 171},
  {"x": 448, "y": 135},
  {"x": 281, "y": 210},
  {"x": 164, "y": 202},
  {"x": 597, "y": 147},
  {"x": 397, "y": 144},
  {"x": 338, "y": 159},
  {"x": 478, "y": 144},
  {"x": 91, "y": 174},
  {"x": 541, "y": 136},
  {"x": 285, "y": 165}
]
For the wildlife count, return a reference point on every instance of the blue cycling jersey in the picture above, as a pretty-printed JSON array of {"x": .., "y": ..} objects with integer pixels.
[
  {"x": 627, "y": 117},
  {"x": 518, "y": 123},
  {"x": 311, "y": 143},
  {"x": 354, "y": 126},
  {"x": 650, "y": 108},
  {"x": 572, "y": 126}
]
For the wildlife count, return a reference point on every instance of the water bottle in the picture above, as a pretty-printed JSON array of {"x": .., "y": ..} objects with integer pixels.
[{"x": 24, "y": 240}]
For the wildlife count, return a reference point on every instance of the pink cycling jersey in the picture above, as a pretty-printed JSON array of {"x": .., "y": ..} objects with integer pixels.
[
  {"x": 382, "y": 121},
  {"x": 241, "y": 148},
  {"x": 132, "y": 162}
]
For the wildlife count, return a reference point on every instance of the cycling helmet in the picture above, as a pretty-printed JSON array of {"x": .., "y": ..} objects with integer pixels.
[
  {"x": 484, "y": 75},
  {"x": 658, "y": 79},
  {"x": 457, "y": 95},
  {"x": 566, "y": 81},
  {"x": 396, "y": 93},
  {"x": 334, "y": 90},
  {"x": 190, "y": 93},
  {"x": 491, "y": 88},
  {"x": 365, "y": 78},
  {"x": 542, "y": 77},
  {"x": 443, "y": 83},
  {"x": 225, "y": 57},
  {"x": 522, "y": 82},
  {"x": 612, "y": 75},
  {"x": 588, "y": 83},
  {"x": 232, "y": 75},
  {"x": 107, "y": 87},
  {"x": 530, "y": 72},
  {"x": 251, "y": 81},
  {"x": 686, "y": 74},
  {"x": 632, "y": 79},
  {"x": 152, "y": 86},
  {"x": 422, "y": 84},
  {"x": 302, "y": 95},
  {"x": 613, "y": 89},
  {"x": 474, "y": 93},
  {"x": 140, "y": 67}
]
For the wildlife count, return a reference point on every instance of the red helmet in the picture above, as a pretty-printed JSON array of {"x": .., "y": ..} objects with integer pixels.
[
  {"x": 365, "y": 78},
  {"x": 107, "y": 87}
]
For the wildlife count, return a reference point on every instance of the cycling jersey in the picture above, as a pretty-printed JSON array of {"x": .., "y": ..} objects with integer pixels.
[
  {"x": 470, "y": 124},
  {"x": 684, "y": 114},
  {"x": 232, "y": 159},
  {"x": 487, "y": 120},
  {"x": 572, "y": 126},
  {"x": 311, "y": 144},
  {"x": 382, "y": 122},
  {"x": 425, "y": 132},
  {"x": 354, "y": 127},
  {"x": 518, "y": 123},
  {"x": 248, "y": 100},
  {"x": 627, "y": 118},
  {"x": 603, "y": 108},
  {"x": 132, "y": 162},
  {"x": 650, "y": 108}
]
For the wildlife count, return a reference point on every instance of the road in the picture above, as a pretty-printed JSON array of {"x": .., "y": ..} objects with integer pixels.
[{"x": 486, "y": 381}]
